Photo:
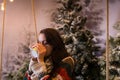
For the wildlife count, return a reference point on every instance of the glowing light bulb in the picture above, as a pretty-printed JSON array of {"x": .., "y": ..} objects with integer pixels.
[
  {"x": 2, "y": 6},
  {"x": 11, "y": 0}
]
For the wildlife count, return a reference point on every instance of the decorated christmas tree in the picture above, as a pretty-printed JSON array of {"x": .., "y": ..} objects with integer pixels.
[
  {"x": 115, "y": 55},
  {"x": 79, "y": 41}
]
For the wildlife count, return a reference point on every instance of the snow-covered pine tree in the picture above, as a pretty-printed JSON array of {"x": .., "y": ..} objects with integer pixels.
[
  {"x": 114, "y": 68},
  {"x": 95, "y": 13},
  {"x": 78, "y": 40}
]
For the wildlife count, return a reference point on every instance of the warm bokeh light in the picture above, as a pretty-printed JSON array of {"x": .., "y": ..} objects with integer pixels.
[
  {"x": 11, "y": 0},
  {"x": 2, "y": 6}
]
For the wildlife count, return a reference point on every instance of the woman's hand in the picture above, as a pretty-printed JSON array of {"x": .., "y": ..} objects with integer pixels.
[
  {"x": 58, "y": 77},
  {"x": 45, "y": 77},
  {"x": 41, "y": 50}
]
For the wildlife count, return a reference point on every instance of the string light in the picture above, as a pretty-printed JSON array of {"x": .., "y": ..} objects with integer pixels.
[
  {"x": 11, "y": 0},
  {"x": 2, "y": 6}
]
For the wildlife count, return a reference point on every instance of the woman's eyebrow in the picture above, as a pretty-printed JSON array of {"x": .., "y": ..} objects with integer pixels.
[{"x": 41, "y": 41}]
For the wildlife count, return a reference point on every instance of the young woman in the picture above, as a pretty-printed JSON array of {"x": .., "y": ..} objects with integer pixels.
[{"x": 62, "y": 62}]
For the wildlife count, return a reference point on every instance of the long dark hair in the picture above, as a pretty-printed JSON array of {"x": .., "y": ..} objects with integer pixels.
[{"x": 54, "y": 39}]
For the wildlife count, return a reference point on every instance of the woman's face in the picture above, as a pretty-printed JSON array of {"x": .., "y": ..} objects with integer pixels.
[{"x": 42, "y": 40}]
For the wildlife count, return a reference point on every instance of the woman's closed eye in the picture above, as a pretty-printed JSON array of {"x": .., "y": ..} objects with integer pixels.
[{"x": 43, "y": 42}]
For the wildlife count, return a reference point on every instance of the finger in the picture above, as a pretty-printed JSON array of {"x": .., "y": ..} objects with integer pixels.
[
  {"x": 35, "y": 45},
  {"x": 41, "y": 48}
]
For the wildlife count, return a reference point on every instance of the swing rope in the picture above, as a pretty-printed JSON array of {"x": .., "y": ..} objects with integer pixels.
[
  {"x": 34, "y": 16},
  {"x": 107, "y": 41},
  {"x": 3, "y": 26},
  {"x": 2, "y": 45}
]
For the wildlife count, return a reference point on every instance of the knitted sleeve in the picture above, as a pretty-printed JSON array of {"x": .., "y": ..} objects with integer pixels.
[{"x": 64, "y": 72}]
